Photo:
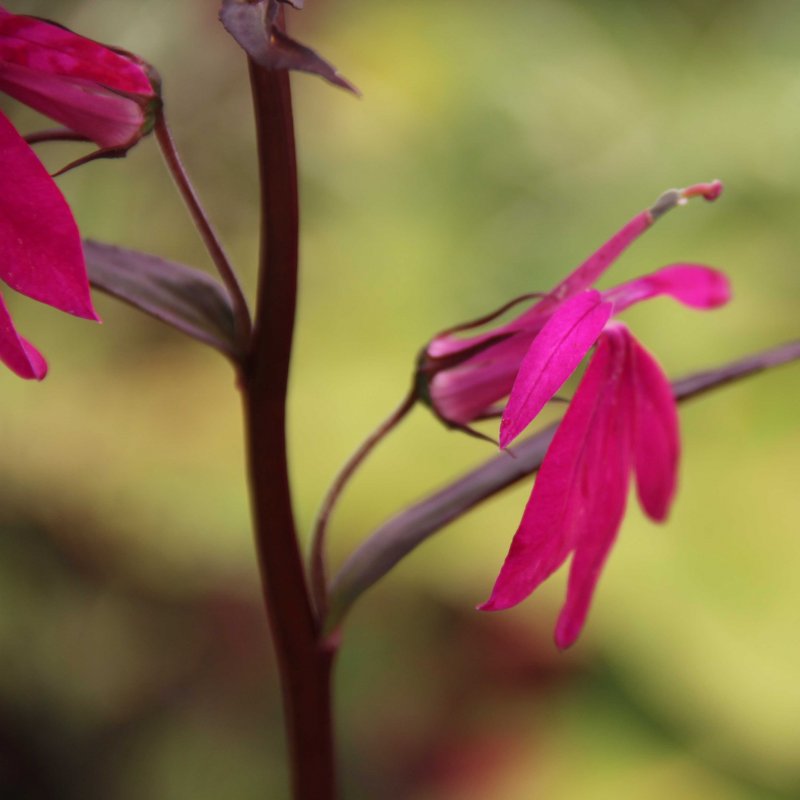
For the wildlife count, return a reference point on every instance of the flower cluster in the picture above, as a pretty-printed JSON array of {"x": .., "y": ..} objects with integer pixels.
[
  {"x": 100, "y": 95},
  {"x": 622, "y": 419}
]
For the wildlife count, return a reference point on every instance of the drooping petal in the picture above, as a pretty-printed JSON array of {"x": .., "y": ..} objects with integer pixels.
[
  {"x": 656, "y": 434},
  {"x": 610, "y": 457},
  {"x": 93, "y": 90},
  {"x": 40, "y": 247},
  {"x": 552, "y": 358},
  {"x": 693, "y": 285},
  {"x": 18, "y": 354},
  {"x": 565, "y": 488}
]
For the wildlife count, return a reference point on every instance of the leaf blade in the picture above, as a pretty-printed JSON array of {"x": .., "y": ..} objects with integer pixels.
[{"x": 183, "y": 297}]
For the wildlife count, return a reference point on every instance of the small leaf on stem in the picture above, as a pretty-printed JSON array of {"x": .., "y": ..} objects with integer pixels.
[
  {"x": 184, "y": 297},
  {"x": 253, "y": 26}
]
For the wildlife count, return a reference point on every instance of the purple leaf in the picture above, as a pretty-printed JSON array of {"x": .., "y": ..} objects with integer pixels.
[
  {"x": 185, "y": 298},
  {"x": 251, "y": 25}
]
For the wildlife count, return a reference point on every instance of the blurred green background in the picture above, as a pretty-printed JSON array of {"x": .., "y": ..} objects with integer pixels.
[{"x": 494, "y": 148}]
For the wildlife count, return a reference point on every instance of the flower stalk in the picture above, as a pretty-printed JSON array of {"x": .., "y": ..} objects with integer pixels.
[
  {"x": 304, "y": 664},
  {"x": 209, "y": 236},
  {"x": 319, "y": 582}
]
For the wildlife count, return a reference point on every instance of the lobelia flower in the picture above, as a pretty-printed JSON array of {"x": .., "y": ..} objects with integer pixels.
[
  {"x": 100, "y": 95},
  {"x": 622, "y": 419},
  {"x": 463, "y": 379}
]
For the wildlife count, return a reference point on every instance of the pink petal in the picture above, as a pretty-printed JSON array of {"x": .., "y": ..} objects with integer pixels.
[
  {"x": 565, "y": 489},
  {"x": 694, "y": 285},
  {"x": 657, "y": 438},
  {"x": 552, "y": 358},
  {"x": 609, "y": 459},
  {"x": 589, "y": 272},
  {"x": 19, "y": 355},
  {"x": 88, "y": 87},
  {"x": 40, "y": 247}
]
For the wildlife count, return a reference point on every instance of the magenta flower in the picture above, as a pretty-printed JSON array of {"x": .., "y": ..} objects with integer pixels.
[
  {"x": 463, "y": 379},
  {"x": 622, "y": 419},
  {"x": 101, "y": 95}
]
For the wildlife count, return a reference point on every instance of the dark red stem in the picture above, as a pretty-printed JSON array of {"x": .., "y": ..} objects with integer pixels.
[{"x": 304, "y": 664}]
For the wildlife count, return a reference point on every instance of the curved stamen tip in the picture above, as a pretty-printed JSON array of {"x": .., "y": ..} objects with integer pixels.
[
  {"x": 679, "y": 197},
  {"x": 708, "y": 191}
]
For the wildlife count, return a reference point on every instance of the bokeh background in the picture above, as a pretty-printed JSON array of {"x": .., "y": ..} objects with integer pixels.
[{"x": 496, "y": 145}]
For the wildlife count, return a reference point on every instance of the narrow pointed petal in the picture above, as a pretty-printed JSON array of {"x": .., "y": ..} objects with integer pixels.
[
  {"x": 589, "y": 272},
  {"x": 19, "y": 355},
  {"x": 40, "y": 248},
  {"x": 609, "y": 456},
  {"x": 580, "y": 279},
  {"x": 693, "y": 285},
  {"x": 552, "y": 358},
  {"x": 656, "y": 432},
  {"x": 564, "y": 489}
]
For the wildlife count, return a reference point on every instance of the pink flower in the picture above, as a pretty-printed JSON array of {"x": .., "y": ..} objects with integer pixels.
[
  {"x": 463, "y": 379},
  {"x": 101, "y": 95},
  {"x": 622, "y": 419}
]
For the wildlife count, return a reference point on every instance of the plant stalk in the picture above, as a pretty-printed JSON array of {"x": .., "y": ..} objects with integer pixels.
[{"x": 304, "y": 664}]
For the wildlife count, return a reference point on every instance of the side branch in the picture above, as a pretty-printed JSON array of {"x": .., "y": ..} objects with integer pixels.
[{"x": 319, "y": 584}]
